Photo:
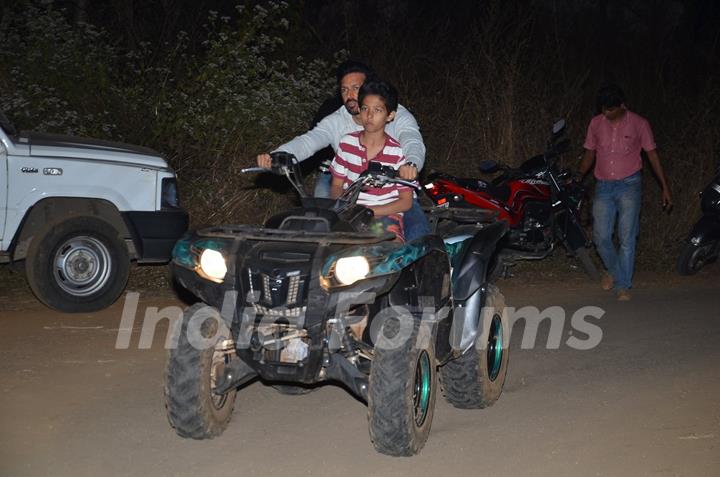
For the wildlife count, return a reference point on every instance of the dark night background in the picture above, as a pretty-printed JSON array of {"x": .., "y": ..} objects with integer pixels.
[{"x": 210, "y": 85}]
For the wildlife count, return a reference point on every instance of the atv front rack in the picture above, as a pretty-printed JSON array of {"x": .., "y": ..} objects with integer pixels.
[{"x": 253, "y": 232}]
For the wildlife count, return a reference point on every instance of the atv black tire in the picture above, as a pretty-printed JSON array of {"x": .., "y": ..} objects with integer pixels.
[
  {"x": 79, "y": 265},
  {"x": 193, "y": 409},
  {"x": 402, "y": 387},
  {"x": 475, "y": 379},
  {"x": 587, "y": 264}
]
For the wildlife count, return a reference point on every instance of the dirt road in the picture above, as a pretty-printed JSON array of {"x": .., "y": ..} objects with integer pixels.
[{"x": 645, "y": 401}]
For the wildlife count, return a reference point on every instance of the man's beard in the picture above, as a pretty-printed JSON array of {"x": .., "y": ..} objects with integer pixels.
[{"x": 349, "y": 104}]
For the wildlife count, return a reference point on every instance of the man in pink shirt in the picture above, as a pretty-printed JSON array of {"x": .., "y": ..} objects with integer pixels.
[{"x": 614, "y": 141}]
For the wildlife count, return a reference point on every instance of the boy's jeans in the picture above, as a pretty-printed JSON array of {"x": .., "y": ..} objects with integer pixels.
[
  {"x": 415, "y": 223},
  {"x": 619, "y": 199}
]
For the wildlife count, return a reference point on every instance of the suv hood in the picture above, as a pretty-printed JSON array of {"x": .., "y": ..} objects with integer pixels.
[{"x": 56, "y": 145}]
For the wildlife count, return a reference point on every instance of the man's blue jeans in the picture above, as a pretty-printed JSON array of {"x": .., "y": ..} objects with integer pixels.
[
  {"x": 415, "y": 224},
  {"x": 618, "y": 201}
]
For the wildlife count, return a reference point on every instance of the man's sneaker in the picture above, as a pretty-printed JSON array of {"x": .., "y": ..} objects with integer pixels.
[
  {"x": 606, "y": 282},
  {"x": 623, "y": 295}
]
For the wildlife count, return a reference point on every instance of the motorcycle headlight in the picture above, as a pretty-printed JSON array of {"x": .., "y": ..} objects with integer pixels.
[
  {"x": 348, "y": 270},
  {"x": 212, "y": 265}
]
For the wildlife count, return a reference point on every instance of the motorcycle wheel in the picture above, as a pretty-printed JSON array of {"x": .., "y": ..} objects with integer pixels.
[
  {"x": 693, "y": 257},
  {"x": 588, "y": 265}
]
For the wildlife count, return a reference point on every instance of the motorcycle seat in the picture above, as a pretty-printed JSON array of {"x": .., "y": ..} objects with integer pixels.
[{"x": 500, "y": 192}]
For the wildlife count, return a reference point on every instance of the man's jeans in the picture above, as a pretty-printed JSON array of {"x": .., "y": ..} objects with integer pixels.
[
  {"x": 619, "y": 200},
  {"x": 415, "y": 224}
]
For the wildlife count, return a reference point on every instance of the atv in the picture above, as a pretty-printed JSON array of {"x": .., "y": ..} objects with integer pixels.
[{"x": 315, "y": 295}]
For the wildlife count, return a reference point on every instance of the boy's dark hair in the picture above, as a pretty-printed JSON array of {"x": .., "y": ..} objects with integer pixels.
[
  {"x": 609, "y": 96},
  {"x": 352, "y": 66},
  {"x": 380, "y": 88}
]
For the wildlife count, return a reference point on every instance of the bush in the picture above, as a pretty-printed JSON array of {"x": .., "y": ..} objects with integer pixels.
[
  {"x": 210, "y": 105},
  {"x": 55, "y": 76}
]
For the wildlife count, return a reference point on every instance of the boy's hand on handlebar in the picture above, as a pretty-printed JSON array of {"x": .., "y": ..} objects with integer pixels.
[
  {"x": 264, "y": 161},
  {"x": 408, "y": 172}
]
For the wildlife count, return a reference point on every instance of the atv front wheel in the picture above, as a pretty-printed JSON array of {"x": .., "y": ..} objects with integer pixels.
[
  {"x": 475, "y": 379},
  {"x": 402, "y": 388},
  {"x": 193, "y": 408}
]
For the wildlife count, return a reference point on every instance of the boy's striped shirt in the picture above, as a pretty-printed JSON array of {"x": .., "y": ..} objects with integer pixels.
[{"x": 351, "y": 161}]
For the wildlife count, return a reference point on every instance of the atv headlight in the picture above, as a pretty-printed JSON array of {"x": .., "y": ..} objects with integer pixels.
[
  {"x": 348, "y": 270},
  {"x": 212, "y": 264}
]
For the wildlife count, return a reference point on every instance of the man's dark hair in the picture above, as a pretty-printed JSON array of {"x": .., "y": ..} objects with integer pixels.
[
  {"x": 380, "y": 88},
  {"x": 352, "y": 66},
  {"x": 610, "y": 96}
]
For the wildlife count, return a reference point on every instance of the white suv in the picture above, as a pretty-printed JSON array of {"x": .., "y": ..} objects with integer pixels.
[{"x": 78, "y": 211}]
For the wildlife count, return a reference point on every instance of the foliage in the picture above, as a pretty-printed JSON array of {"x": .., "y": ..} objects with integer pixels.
[
  {"x": 204, "y": 104},
  {"x": 484, "y": 79},
  {"x": 50, "y": 66}
]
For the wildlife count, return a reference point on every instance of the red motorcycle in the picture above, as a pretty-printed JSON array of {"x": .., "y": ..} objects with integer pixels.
[{"x": 537, "y": 200}]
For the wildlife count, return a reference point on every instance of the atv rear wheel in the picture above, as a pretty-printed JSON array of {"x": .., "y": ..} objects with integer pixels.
[
  {"x": 475, "y": 379},
  {"x": 402, "y": 388},
  {"x": 193, "y": 408}
]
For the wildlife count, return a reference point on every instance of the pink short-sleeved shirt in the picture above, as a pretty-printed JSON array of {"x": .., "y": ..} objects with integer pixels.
[{"x": 617, "y": 147}]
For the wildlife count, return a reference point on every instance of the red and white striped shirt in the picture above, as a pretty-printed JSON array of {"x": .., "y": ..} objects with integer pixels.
[{"x": 351, "y": 161}]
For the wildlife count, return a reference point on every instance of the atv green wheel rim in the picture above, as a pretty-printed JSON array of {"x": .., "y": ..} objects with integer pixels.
[
  {"x": 421, "y": 392},
  {"x": 495, "y": 348},
  {"x": 217, "y": 370}
]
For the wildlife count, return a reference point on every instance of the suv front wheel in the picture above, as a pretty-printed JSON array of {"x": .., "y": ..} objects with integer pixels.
[{"x": 79, "y": 265}]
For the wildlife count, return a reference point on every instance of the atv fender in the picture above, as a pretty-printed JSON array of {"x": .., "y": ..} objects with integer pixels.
[{"x": 471, "y": 272}]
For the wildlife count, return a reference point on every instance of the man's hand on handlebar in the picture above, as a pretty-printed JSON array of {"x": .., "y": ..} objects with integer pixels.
[
  {"x": 408, "y": 172},
  {"x": 264, "y": 161}
]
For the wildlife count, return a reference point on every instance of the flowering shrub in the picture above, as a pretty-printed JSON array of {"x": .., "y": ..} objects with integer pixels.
[
  {"x": 234, "y": 88},
  {"x": 55, "y": 75},
  {"x": 241, "y": 91},
  {"x": 204, "y": 103}
]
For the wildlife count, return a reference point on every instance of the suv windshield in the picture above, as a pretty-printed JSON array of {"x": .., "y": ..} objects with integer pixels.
[{"x": 7, "y": 125}]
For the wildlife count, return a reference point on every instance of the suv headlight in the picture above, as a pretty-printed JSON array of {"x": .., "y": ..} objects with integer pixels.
[
  {"x": 348, "y": 270},
  {"x": 212, "y": 265}
]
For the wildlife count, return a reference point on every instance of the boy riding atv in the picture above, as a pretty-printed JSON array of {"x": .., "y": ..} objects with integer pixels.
[{"x": 316, "y": 295}]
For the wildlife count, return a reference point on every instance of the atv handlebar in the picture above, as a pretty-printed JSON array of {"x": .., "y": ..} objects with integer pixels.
[
  {"x": 384, "y": 173},
  {"x": 286, "y": 164},
  {"x": 281, "y": 162}
]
